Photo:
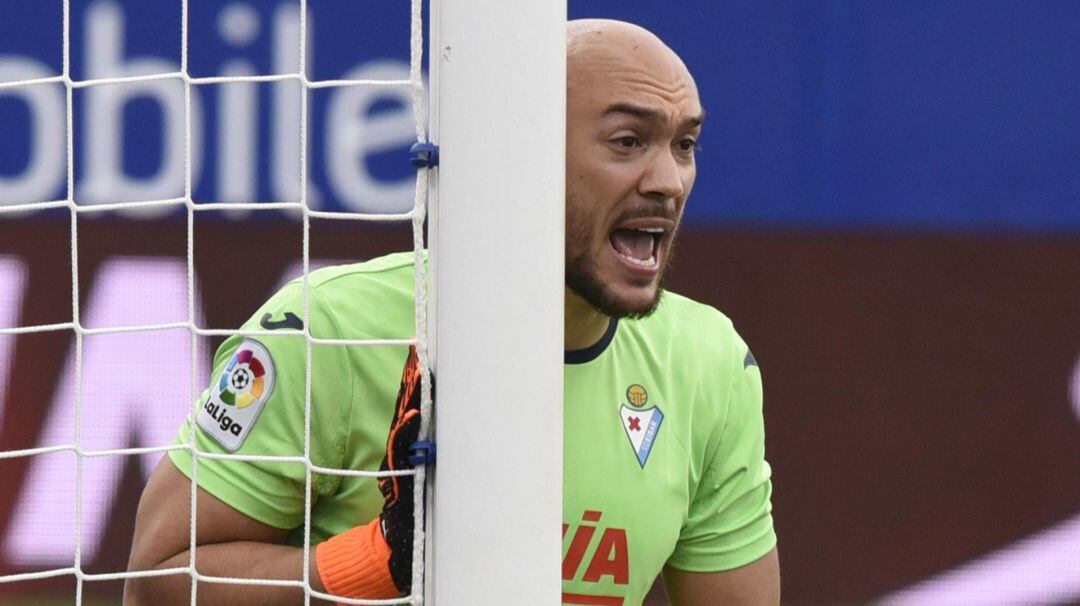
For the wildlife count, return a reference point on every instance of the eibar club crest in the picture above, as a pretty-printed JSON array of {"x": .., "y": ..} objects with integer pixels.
[{"x": 640, "y": 424}]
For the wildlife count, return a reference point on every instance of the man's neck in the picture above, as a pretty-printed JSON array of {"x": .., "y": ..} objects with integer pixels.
[{"x": 584, "y": 325}]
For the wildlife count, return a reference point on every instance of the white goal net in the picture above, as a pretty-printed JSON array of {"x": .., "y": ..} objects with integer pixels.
[{"x": 89, "y": 381}]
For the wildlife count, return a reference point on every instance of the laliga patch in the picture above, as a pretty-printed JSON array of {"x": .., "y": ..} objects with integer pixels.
[
  {"x": 238, "y": 395},
  {"x": 641, "y": 424}
]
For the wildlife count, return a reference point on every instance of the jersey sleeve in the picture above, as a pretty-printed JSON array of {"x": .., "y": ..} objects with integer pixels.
[
  {"x": 255, "y": 406},
  {"x": 729, "y": 522}
]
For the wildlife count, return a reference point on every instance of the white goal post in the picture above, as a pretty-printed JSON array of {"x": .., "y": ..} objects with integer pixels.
[{"x": 496, "y": 236}]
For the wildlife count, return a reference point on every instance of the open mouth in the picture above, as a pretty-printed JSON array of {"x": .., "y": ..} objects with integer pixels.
[{"x": 638, "y": 246}]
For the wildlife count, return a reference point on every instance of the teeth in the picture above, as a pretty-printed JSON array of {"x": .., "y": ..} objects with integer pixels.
[
  {"x": 652, "y": 230},
  {"x": 650, "y": 262}
]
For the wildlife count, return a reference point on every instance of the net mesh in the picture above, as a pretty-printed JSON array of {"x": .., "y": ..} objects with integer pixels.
[{"x": 416, "y": 216}]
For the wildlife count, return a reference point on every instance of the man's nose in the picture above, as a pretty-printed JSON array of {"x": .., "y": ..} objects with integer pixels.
[{"x": 662, "y": 178}]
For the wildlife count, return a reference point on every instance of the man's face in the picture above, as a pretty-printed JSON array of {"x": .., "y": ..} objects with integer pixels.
[{"x": 633, "y": 120}]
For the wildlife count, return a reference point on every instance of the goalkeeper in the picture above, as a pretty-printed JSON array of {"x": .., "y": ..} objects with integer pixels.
[{"x": 664, "y": 468}]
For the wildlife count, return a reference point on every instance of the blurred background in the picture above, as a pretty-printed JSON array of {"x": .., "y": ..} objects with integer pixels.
[{"x": 888, "y": 206}]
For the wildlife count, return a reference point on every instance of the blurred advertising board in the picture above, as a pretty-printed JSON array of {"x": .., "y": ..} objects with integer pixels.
[
  {"x": 831, "y": 114},
  {"x": 922, "y": 392}
]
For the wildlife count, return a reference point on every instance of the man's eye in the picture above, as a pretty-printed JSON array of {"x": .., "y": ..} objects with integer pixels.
[
  {"x": 628, "y": 141},
  {"x": 688, "y": 145}
]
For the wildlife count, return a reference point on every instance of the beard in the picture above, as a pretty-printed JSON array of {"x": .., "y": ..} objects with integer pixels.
[
  {"x": 586, "y": 284},
  {"x": 583, "y": 279},
  {"x": 582, "y": 275}
]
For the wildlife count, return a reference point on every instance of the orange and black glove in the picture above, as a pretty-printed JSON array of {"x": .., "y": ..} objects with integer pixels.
[
  {"x": 375, "y": 560},
  {"x": 397, "y": 518}
]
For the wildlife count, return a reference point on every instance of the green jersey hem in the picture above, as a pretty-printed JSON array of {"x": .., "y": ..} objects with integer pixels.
[
  {"x": 238, "y": 499},
  {"x": 746, "y": 554}
]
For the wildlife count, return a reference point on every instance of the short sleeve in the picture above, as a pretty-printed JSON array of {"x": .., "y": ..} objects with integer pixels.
[
  {"x": 729, "y": 522},
  {"x": 255, "y": 406}
]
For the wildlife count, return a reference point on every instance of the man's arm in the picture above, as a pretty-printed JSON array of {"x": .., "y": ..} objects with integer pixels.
[
  {"x": 229, "y": 544},
  {"x": 756, "y": 584},
  {"x": 373, "y": 560}
]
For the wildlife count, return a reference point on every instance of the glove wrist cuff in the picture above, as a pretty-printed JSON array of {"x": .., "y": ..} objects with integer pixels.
[{"x": 356, "y": 563}]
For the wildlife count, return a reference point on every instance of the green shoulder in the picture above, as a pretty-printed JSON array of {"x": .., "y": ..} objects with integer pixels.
[
  {"x": 702, "y": 333},
  {"x": 372, "y": 299}
]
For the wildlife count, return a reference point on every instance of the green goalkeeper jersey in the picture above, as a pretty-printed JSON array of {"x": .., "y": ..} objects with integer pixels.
[{"x": 664, "y": 442}]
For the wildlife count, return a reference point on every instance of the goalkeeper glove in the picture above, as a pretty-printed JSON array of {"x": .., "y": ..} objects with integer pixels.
[{"x": 375, "y": 560}]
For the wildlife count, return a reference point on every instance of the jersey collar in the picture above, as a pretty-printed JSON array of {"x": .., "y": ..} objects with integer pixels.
[{"x": 592, "y": 352}]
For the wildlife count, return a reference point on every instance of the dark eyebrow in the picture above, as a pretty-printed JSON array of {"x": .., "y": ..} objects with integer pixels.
[{"x": 650, "y": 115}]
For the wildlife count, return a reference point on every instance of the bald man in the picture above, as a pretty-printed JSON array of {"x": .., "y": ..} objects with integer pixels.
[{"x": 664, "y": 443}]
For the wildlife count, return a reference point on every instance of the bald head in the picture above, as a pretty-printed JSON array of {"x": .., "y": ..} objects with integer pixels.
[
  {"x": 583, "y": 32},
  {"x": 594, "y": 45}
]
